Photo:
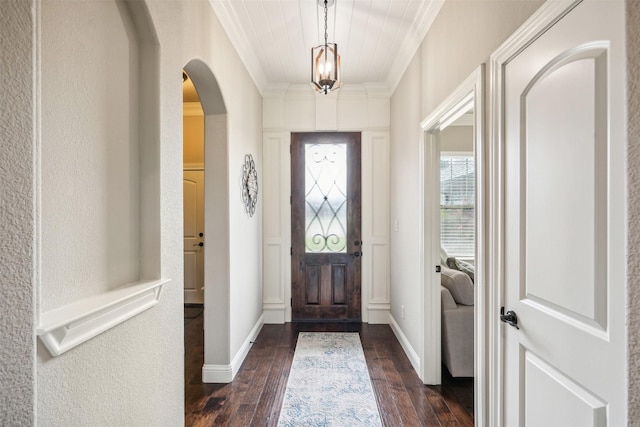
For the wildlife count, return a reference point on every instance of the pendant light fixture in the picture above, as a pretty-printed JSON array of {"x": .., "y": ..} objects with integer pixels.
[{"x": 325, "y": 61}]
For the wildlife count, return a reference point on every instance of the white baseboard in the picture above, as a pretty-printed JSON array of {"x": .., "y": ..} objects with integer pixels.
[
  {"x": 378, "y": 314},
  {"x": 226, "y": 373},
  {"x": 278, "y": 315},
  {"x": 406, "y": 346},
  {"x": 246, "y": 346},
  {"x": 274, "y": 315},
  {"x": 217, "y": 374}
]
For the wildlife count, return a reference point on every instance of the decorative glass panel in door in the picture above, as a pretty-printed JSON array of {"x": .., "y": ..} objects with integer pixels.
[{"x": 325, "y": 198}]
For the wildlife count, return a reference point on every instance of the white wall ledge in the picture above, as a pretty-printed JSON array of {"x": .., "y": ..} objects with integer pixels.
[{"x": 66, "y": 327}]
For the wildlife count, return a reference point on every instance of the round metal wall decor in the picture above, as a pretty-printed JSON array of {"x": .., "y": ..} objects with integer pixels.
[{"x": 249, "y": 185}]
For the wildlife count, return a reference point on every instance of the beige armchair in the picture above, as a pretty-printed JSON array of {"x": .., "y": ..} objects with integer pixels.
[{"x": 457, "y": 296}]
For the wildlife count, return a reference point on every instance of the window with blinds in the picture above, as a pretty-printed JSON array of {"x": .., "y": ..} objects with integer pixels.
[{"x": 457, "y": 205}]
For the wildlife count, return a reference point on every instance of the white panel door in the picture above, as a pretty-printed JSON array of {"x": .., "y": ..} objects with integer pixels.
[
  {"x": 193, "y": 190},
  {"x": 564, "y": 270}
]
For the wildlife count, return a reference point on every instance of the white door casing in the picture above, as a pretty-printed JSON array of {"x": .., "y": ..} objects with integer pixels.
[
  {"x": 193, "y": 191},
  {"x": 469, "y": 94},
  {"x": 559, "y": 144}
]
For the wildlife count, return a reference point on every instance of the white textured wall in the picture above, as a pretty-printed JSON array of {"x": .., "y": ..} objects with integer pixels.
[
  {"x": 96, "y": 121},
  {"x": 202, "y": 37},
  {"x": 405, "y": 187},
  {"x": 462, "y": 37},
  {"x": 17, "y": 219},
  {"x": 216, "y": 231},
  {"x": 190, "y": 30},
  {"x": 133, "y": 374},
  {"x": 633, "y": 185},
  {"x": 244, "y": 104},
  {"x": 90, "y": 151}
]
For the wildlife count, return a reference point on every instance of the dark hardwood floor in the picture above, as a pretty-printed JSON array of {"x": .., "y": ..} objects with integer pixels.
[{"x": 255, "y": 396}]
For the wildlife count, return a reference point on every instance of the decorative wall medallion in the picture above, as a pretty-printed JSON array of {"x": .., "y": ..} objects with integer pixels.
[{"x": 249, "y": 185}]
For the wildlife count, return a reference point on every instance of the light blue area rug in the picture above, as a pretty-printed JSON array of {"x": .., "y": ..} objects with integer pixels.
[{"x": 329, "y": 383}]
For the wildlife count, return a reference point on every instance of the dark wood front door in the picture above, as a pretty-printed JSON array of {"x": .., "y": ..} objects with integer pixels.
[{"x": 325, "y": 226}]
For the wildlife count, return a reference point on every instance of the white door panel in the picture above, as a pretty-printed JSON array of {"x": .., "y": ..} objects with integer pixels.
[
  {"x": 193, "y": 194},
  {"x": 564, "y": 151},
  {"x": 552, "y": 399},
  {"x": 190, "y": 270},
  {"x": 564, "y": 223}
]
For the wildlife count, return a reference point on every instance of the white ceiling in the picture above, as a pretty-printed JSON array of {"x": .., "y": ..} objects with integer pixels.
[{"x": 376, "y": 38}]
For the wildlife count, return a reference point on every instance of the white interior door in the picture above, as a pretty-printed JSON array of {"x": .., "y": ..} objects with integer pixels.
[
  {"x": 193, "y": 190},
  {"x": 564, "y": 218}
]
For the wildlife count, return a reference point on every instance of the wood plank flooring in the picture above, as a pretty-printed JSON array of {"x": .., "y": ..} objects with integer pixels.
[{"x": 255, "y": 396}]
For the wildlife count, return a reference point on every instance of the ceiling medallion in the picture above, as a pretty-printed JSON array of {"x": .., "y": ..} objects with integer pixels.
[
  {"x": 249, "y": 185},
  {"x": 325, "y": 61}
]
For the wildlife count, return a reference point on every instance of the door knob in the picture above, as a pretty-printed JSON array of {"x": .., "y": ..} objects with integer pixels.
[
  {"x": 199, "y": 244},
  {"x": 356, "y": 254},
  {"x": 510, "y": 318}
]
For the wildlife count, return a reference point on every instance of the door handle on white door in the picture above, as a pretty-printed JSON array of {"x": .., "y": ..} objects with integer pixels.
[{"x": 510, "y": 318}]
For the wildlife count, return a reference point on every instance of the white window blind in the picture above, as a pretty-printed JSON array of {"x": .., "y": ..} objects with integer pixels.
[{"x": 457, "y": 205}]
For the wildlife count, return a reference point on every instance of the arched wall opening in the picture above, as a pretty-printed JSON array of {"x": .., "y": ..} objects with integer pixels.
[{"x": 216, "y": 214}]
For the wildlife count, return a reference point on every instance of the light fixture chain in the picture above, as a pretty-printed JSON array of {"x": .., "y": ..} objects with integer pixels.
[{"x": 325, "y": 24}]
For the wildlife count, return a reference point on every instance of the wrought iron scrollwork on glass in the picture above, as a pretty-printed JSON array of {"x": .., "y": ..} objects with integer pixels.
[
  {"x": 249, "y": 185},
  {"x": 325, "y": 198}
]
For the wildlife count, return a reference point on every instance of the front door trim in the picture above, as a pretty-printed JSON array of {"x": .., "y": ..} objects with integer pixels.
[{"x": 337, "y": 294}]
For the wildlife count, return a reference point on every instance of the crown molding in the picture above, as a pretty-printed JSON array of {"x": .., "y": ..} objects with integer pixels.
[
  {"x": 236, "y": 34},
  {"x": 369, "y": 90},
  {"x": 276, "y": 91},
  {"x": 412, "y": 42},
  {"x": 377, "y": 90}
]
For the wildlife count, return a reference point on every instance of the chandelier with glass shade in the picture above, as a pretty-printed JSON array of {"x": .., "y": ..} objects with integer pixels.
[{"x": 325, "y": 61}]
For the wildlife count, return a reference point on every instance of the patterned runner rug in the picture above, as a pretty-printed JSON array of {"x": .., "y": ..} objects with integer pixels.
[{"x": 329, "y": 383}]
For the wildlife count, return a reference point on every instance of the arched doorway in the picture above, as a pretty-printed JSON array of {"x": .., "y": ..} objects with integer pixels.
[
  {"x": 193, "y": 198},
  {"x": 215, "y": 237}
]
